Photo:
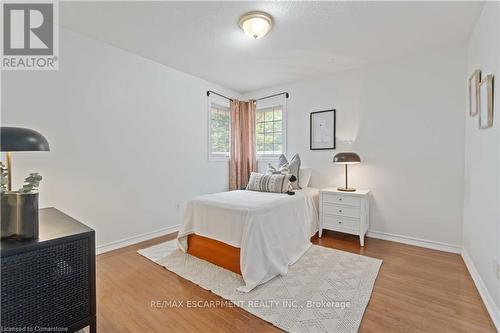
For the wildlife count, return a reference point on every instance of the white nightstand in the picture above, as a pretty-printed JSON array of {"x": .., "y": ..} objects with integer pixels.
[{"x": 347, "y": 212}]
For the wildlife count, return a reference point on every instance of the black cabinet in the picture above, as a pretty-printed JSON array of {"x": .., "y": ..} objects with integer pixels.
[{"x": 48, "y": 284}]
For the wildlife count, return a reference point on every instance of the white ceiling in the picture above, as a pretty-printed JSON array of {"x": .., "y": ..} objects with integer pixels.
[{"x": 308, "y": 38}]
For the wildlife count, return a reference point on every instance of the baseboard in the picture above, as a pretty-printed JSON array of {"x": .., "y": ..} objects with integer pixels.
[
  {"x": 371, "y": 233},
  {"x": 483, "y": 291},
  {"x": 453, "y": 248},
  {"x": 135, "y": 239}
]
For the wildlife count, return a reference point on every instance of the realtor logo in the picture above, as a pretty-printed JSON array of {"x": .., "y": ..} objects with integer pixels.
[{"x": 30, "y": 34}]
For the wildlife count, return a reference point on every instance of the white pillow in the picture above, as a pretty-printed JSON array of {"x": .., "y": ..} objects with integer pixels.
[{"x": 305, "y": 177}]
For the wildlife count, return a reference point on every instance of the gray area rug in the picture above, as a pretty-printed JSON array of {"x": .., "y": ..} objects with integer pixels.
[{"x": 327, "y": 290}]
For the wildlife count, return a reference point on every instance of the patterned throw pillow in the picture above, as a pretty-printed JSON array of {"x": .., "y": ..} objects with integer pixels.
[
  {"x": 277, "y": 183},
  {"x": 271, "y": 170},
  {"x": 293, "y": 166}
]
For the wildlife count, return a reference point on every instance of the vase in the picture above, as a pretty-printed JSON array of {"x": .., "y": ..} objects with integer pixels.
[{"x": 19, "y": 216}]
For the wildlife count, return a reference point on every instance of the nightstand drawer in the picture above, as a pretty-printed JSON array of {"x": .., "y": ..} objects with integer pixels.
[
  {"x": 341, "y": 199},
  {"x": 341, "y": 210},
  {"x": 335, "y": 221}
]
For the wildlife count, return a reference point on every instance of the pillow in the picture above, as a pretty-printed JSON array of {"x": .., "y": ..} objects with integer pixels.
[
  {"x": 284, "y": 169},
  {"x": 277, "y": 183},
  {"x": 282, "y": 160},
  {"x": 305, "y": 177},
  {"x": 294, "y": 166}
]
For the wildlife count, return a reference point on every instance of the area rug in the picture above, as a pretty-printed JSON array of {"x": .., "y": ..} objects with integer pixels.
[{"x": 327, "y": 290}]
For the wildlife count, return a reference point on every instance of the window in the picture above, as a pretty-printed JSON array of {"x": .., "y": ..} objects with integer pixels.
[
  {"x": 270, "y": 131},
  {"x": 219, "y": 131}
]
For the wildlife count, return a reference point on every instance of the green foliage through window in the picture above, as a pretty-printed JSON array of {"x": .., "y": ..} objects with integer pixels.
[
  {"x": 220, "y": 127},
  {"x": 269, "y": 131}
]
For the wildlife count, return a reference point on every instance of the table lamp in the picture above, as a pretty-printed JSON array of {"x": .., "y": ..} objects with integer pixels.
[
  {"x": 346, "y": 158},
  {"x": 20, "y": 139}
]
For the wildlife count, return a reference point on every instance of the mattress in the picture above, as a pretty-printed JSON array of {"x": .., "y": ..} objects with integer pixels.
[{"x": 272, "y": 230}]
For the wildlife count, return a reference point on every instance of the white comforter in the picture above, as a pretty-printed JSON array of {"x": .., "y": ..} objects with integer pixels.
[{"x": 273, "y": 230}]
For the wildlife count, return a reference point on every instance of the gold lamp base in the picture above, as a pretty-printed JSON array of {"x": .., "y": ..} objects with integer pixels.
[{"x": 345, "y": 189}]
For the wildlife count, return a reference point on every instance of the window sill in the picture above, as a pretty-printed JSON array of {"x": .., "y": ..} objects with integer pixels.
[
  {"x": 268, "y": 158},
  {"x": 218, "y": 159}
]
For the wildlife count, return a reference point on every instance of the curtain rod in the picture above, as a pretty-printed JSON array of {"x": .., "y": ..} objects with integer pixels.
[
  {"x": 282, "y": 93},
  {"x": 213, "y": 92},
  {"x": 258, "y": 99}
]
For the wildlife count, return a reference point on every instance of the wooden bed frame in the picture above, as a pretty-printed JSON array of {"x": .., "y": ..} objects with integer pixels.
[{"x": 218, "y": 253}]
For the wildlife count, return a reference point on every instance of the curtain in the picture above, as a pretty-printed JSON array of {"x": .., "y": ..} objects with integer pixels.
[{"x": 242, "y": 159}]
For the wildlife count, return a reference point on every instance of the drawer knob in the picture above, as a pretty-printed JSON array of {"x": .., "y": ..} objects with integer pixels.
[
  {"x": 340, "y": 210},
  {"x": 340, "y": 222},
  {"x": 340, "y": 199}
]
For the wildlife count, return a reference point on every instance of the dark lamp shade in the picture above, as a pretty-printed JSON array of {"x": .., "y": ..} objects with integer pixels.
[
  {"x": 346, "y": 158},
  {"x": 22, "y": 139}
]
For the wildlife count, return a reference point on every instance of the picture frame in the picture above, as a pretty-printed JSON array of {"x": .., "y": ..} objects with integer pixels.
[
  {"x": 322, "y": 130},
  {"x": 474, "y": 81},
  {"x": 485, "y": 102}
]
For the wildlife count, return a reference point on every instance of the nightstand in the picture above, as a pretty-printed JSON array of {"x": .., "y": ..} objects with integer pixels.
[{"x": 347, "y": 212}]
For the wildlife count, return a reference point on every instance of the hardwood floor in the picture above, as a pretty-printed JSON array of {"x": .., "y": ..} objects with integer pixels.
[{"x": 417, "y": 290}]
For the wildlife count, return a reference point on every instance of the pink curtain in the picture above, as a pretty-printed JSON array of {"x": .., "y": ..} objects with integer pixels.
[{"x": 243, "y": 158}]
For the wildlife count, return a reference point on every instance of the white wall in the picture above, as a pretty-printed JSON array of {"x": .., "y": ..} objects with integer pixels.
[
  {"x": 497, "y": 101},
  {"x": 127, "y": 136},
  {"x": 481, "y": 227},
  {"x": 407, "y": 120}
]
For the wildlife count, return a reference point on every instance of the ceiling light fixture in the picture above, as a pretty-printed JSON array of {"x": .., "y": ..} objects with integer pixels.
[{"x": 256, "y": 24}]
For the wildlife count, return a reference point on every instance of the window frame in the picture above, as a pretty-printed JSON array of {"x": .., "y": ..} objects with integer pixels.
[
  {"x": 279, "y": 101},
  {"x": 221, "y": 103}
]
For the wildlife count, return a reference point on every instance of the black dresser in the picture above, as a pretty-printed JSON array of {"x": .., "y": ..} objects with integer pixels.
[{"x": 48, "y": 284}]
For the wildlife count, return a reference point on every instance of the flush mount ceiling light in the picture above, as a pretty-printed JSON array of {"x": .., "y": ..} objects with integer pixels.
[{"x": 256, "y": 24}]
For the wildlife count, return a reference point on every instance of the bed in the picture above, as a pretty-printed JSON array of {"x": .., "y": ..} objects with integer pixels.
[{"x": 255, "y": 234}]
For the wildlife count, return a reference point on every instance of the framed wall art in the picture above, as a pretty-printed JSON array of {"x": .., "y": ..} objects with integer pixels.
[
  {"x": 474, "y": 81},
  {"x": 486, "y": 102},
  {"x": 322, "y": 130}
]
